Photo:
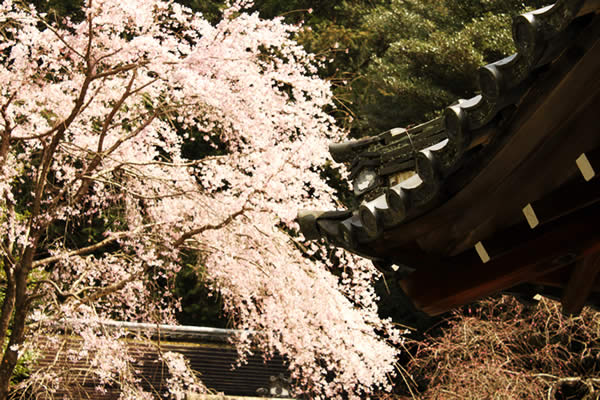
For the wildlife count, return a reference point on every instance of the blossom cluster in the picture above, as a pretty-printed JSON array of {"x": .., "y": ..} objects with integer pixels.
[{"x": 94, "y": 118}]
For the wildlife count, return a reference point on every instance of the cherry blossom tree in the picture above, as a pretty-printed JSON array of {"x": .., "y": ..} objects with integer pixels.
[{"x": 93, "y": 118}]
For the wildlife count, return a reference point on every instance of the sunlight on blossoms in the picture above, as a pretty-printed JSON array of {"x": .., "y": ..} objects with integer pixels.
[{"x": 101, "y": 197}]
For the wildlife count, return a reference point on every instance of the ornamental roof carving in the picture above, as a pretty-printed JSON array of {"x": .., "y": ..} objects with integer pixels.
[{"x": 439, "y": 196}]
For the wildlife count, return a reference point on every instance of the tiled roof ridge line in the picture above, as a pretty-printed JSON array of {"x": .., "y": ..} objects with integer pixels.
[
  {"x": 166, "y": 331},
  {"x": 539, "y": 36}
]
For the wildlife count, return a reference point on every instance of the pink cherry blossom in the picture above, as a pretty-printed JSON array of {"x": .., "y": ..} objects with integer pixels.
[{"x": 91, "y": 121}]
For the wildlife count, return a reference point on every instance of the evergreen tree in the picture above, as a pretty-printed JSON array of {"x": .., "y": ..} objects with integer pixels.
[{"x": 425, "y": 55}]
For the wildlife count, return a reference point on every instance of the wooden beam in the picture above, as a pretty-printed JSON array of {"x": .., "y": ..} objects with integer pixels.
[
  {"x": 552, "y": 126},
  {"x": 580, "y": 284},
  {"x": 560, "y": 278},
  {"x": 564, "y": 200},
  {"x": 568, "y": 199},
  {"x": 464, "y": 278}
]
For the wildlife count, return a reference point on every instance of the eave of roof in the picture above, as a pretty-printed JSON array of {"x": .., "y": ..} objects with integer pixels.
[
  {"x": 510, "y": 152},
  {"x": 511, "y": 92}
]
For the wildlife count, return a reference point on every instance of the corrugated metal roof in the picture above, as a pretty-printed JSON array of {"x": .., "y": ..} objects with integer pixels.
[{"x": 207, "y": 349}]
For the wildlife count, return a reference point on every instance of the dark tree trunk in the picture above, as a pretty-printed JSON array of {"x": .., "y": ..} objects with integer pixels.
[
  {"x": 17, "y": 336},
  {"x": 8, "y": 304}
]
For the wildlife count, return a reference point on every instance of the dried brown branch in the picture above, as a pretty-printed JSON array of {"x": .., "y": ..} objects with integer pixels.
[
  {"x": 136, "y": 194},
  {"x": 81, "y": 251},
  {"x": 111, "y": 115},
  {"x": 501, "y": 349},
  {"x": 209, "y": 227},
  {"x": 5, "y": 138}
]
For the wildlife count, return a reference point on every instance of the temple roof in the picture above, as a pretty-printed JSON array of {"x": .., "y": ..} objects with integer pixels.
[
  {"x": 208, "y": 350},
  {"x": 439, "y": 196}
]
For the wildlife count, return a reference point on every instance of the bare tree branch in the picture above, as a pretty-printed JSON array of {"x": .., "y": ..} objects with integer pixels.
[
  {"x": 115, "y": 71},
  {"x": 81, "y": 251},
  {"x": 139, "y": 195},
  {"x": 209, "y": 227},
  {"x": 6, "y": 133},
  {"x": 111, "y": 115}
]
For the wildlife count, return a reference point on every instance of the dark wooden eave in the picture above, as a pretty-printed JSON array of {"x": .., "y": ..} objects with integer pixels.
[{"x": 514, "y": 145}]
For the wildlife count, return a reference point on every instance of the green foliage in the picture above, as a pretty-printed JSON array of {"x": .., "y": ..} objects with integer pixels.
[
  {"x": 344, "y": 44},
  {"x": 210, "y": 9},
  {"x": 60, "y": 8},
  {"x": 199, "y": 306},
  {"x": 400, "y": 62},
  {"x": 23, "y": 368},
  {"x": 425, "y": 56}
]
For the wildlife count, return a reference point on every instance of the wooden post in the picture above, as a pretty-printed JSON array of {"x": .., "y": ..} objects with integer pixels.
[{"x": 580, "y": 284}]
